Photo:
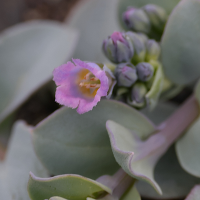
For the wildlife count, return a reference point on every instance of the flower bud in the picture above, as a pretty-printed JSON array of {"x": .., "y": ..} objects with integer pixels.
[
  {"x": 145, "y": 71},
  {"x": 118, "y": 48},
  {"x": 143, "y": 37},
  {"x": 137, "y": 96},
  {"x": 139, "y": 47},
  {"x": 126, "y": 74},
  {"x": 136, "y": 20},
  {"x": 157, "y": 15},
  {"x": 153, "y": 50}
]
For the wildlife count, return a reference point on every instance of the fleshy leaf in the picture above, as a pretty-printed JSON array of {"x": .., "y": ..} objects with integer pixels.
[
  {"x": 20, "y": 159},
  {"x": 156, "y": 88},
  {"x": 173, "y": 180},
  {"x": 131, "y": 194},
  {"x": 28, "y": 54},
  {"x": 85, "y": 18},
  {"x": 194, "y": 194},
  {"x": 80, "y": 142},
  {"x": 167, "y": 5},
  {"x": 57, "y": 198},
  {"x": 137, "y": 158},
  {"x": 180, "y": 52},
  {"x": 188, "y": 146},
  {"x": 73, "y": 187}
]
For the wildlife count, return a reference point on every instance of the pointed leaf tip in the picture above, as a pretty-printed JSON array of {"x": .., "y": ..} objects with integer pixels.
[{"x": 131, "y": 153}]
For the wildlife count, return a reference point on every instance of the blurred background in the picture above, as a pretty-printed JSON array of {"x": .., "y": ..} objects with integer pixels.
[{"x": 15, "y": 11}]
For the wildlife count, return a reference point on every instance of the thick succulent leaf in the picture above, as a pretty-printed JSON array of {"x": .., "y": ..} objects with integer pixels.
[
  {"x": 28, "y": 54},
  {"x": 194, "y": 194},
  {"x": 180, "y": 49},
  {"x": 137, "y": 158},
  {"x": 80, "y": 142},
  {"x": 156, "y": 88},
  {"x": 188, "y": 146},
  {"x": 131, "y": 194},
  {"x": 57, "y": 198},
  {"x": 73, "y": 187},
  {"x": 95, "y": 20},
  {"x": 20, "y": 159},
  {"x": 167, "y": 5},
  {"x": 173, "y": 180}
]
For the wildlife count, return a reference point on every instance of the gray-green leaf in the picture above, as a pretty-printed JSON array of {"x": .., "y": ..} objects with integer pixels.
[
  {"x": 173, "y": 180},
  {"x": 73, "y": 187},
  {"x": 180, "y": 49},
  {"x": 137, "y": 158},
  {"x": 95, "y": 20},
  {"x": 80, "y": 143},
  {"x": 20, "y": 159},
  {"x": 28, "y": 54},
  {"x": 188, "y": 146}
]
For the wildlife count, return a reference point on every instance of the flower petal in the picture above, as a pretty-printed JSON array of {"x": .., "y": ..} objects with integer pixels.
[
  {"x": 86, "y": 105},
  {"x": 62, "y": 72},
  {"x": 67, "y": 95},
  {"x": 94, "y": 68}
]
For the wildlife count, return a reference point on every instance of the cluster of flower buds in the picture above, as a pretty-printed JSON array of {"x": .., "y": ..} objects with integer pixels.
[
  {"x": 149, "y": 19},
  {"x": 133, "y": 53}
]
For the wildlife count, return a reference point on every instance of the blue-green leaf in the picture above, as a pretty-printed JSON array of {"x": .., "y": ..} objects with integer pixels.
[
  {"x": 95, "y": 20},
  {"x": 173, "y": 180},
  {"x": 28, "y": 54},
  {"x": 180, "y": 49},
  {"x": 137, "y": 158},
  {"x": 188, "y": 146},
  {"x": 73, "y": 187},
  {"x": 80, "y": 143},
  {"x": 20, "y": 160}
]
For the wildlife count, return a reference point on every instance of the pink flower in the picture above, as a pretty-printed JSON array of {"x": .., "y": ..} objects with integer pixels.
[{"x": 80, "y": 84}]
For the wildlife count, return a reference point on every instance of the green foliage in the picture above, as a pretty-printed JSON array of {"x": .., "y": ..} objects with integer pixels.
[
  {"x": 137, "y": 158},
  {"x": 156, "y": 87},
  {"x": 174, "y": 181},
  {"x": 28, "y": 54},
  {"x": 73, "y": 187},
  {"x": 187, "y": 147},
  {"x": 95, "y": 20},
  {"x": 180, "y": 49},
  {"x": 80, "y": 143},
  {"x": 20, "y": 159}
]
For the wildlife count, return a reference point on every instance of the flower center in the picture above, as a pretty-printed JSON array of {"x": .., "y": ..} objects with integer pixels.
[{"x": 88, "y": 83}]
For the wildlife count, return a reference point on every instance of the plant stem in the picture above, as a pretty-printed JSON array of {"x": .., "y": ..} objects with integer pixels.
[
  {"x": 180, "y": 120},
  {"x": 120, "y": 182}
]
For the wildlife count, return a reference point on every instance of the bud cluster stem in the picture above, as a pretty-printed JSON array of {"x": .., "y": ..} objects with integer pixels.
[
  {"x": 180, "y": 120},
  {"x": 119, "y": 183}
]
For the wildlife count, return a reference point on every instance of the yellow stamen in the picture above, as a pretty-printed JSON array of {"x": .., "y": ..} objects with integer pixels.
[{"x": 89, "y": 84}]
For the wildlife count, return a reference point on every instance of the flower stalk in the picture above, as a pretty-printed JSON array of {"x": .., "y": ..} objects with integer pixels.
[
  {"x": 119, "y": 183},
  {"x": 180, "y": 120}
]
